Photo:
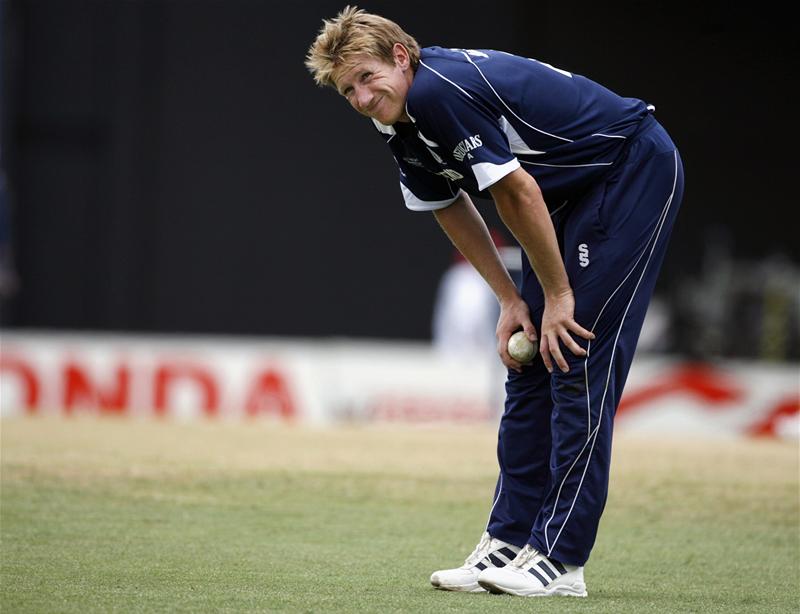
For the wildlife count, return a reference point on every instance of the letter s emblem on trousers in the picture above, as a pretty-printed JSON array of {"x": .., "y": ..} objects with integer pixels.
[{"x": 583, "y": 255}]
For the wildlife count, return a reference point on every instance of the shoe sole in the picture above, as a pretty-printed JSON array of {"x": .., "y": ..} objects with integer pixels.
[
  {"x": 462, "y": 588},
  {"x": 556, "y": 591}
]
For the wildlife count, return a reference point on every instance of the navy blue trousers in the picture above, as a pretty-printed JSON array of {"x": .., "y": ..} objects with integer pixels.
[{"x": 555, "y": 434}]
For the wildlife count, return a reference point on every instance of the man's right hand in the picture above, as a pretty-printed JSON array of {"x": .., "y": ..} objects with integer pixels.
[{"x": 514, "y": 314}]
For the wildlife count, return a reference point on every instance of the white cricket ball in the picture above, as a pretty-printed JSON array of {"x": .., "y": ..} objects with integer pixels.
[{"x": 521, "y": 348}]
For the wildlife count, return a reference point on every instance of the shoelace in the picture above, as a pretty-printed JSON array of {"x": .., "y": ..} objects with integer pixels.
[
  {"x": 525, "y": 556},
  {"x": 481, "y": 550}
]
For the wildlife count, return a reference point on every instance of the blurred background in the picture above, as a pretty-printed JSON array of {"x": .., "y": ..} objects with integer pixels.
[{"x": 169, "y": 166}]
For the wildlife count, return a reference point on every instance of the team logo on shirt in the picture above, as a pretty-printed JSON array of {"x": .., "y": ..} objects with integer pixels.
[{"x": 465, "y": 146}]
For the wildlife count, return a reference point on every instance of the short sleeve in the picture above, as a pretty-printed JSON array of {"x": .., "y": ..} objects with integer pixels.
[{"x": 424, "y": 191}]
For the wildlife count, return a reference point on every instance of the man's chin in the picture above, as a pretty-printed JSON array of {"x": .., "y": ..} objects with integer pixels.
[{"x": 385, "y": 119}]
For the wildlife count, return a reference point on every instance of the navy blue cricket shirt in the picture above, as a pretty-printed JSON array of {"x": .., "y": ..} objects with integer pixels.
[{"x": 478, "y": 115}]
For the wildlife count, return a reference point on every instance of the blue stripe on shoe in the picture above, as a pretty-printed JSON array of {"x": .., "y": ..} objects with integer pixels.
[
  {"x": 480, "y": 566},
  {"x": 508, "y": 552},
  {"x": 539, "y": 576},
  {"x": 559, "y": 567},
  {"x": 498, "y": 562},
  {"x": 546, "y": 569}
]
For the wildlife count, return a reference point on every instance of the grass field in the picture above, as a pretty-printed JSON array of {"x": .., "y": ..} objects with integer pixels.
[{"x": 141, "y": 516}]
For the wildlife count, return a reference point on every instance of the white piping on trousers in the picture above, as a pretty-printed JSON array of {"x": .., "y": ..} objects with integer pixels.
[
  {"x": 496, "y": 499},
  {"x": 593, "y": 434}
]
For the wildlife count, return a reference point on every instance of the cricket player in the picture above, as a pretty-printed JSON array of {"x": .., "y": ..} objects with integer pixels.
[{"x": 589, "y": 184}]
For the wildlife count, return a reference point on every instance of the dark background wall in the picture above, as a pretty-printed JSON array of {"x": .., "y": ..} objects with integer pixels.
[{"x": 174, "y": 168}]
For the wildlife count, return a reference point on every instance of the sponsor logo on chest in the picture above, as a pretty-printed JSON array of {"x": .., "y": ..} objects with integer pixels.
[{"x": 464, "y": 147}]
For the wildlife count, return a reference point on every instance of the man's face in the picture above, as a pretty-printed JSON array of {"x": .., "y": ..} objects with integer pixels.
[{"x": 376, "y": 88}]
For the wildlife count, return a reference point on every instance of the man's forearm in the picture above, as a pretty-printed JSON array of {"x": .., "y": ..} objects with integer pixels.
[
  {"x": 524, "y": 212},
  {"x": 466, "y": 229}
]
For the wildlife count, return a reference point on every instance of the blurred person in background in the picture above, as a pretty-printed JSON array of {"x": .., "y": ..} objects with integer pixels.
[
  {"x": 465, "y": 314},
  {"x": 465, "y": 309},
  {"x": 589, "y": 184}
]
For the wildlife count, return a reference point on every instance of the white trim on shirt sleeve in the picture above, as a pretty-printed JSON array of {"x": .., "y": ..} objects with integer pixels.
[
  {"x": 487, "y": 174},
  {"x": 417, "y": 204}
]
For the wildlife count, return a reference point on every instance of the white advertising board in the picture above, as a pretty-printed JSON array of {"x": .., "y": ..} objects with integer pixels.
[{"x": 331, "y": 381}]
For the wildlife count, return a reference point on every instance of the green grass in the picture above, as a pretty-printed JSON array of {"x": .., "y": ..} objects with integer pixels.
[{"x": 138, "y": 516}]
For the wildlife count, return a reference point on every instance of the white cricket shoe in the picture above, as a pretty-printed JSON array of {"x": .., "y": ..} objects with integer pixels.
[
  {"x": 532, "y": 574},
  {"x": 490, "y": 553}
]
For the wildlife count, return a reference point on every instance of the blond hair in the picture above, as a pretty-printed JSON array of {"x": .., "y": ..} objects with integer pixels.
[{"x": 351, "y": 33}]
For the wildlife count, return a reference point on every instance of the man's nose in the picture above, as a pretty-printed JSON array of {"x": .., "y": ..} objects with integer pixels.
[{"x": 363, "y": 97}]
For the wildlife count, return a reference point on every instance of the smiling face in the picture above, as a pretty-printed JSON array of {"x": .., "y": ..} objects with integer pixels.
[{"x": 376, "y": 88}]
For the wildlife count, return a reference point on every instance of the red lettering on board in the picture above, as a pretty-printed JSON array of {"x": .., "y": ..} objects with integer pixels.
[
  {"x": 168, "y": 374},
  {"x": 10, "y": 364},
  {"x": 81, "y": 391},
  {"x": 700, "y": 381},
  {"x": 270, "y": 394},
  {"x": 769, "y": 425}
]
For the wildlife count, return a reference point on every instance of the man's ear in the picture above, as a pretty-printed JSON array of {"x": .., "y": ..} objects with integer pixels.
[{"x": 401, "y": 56}]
